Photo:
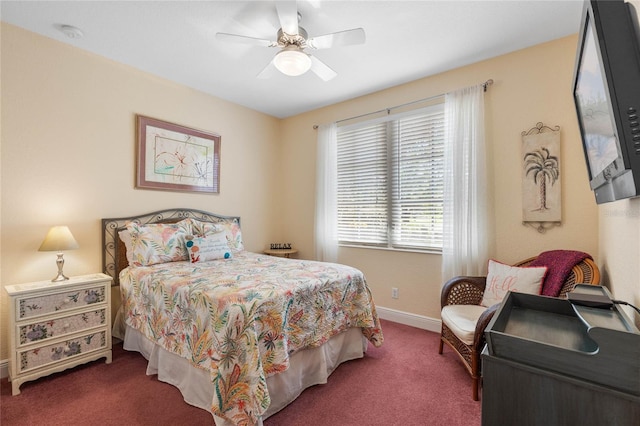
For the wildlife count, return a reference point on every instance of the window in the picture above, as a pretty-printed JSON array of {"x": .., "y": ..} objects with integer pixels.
[{"x": 390, "y": 181}]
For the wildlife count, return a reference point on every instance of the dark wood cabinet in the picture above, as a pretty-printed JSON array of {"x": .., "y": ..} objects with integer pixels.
[
  {"x": 517, "y": 394},
  {"x": 549, "y": 362}
]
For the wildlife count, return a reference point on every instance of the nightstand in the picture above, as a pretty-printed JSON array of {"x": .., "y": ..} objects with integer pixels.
[
  {"x": 280, "y": 252},
  {"x": 57, "y": 325}
]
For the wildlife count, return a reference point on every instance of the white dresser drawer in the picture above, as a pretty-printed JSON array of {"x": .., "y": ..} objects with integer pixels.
[
  {"x": 43, "y": 300},
  {"x": 30, "y": 359},
  {"x": 51, "y": 328}
]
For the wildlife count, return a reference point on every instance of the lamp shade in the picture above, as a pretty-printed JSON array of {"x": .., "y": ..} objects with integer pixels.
[
  {"x": 292, "y": 61},
  {"x": 59, "y": 238}
]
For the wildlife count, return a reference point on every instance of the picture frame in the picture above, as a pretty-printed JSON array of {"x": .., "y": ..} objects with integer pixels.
[
  {"x": 541, "y": 175},
  {"x": 173, "y": 157}
]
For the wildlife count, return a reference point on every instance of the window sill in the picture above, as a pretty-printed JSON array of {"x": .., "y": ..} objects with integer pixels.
[{"x": 406, "y": 250}]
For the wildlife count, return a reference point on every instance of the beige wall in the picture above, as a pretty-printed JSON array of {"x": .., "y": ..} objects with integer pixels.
[
  {"x": 619, "y": 237},
  {"x": 68, "y": 155},
  {"x": 619, "y": 260},
  {"x": 532, "y": 85}
]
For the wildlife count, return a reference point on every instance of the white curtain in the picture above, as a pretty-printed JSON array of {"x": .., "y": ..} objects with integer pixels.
[
  {"x": 465, "y": 247},
  {"x": 326, "y": 217}
]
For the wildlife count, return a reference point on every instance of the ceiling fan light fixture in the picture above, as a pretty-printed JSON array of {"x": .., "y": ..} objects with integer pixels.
[{"x": 292, "y": 61}]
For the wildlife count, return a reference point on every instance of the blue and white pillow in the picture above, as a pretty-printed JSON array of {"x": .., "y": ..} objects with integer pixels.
[{"x": 211, "y": 247}]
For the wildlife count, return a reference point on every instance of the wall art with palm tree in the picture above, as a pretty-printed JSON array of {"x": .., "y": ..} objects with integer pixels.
[{"x": 541, "y": 185}]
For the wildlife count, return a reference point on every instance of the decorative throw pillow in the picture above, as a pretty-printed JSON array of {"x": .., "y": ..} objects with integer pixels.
[
  {"x": 233, "y": 234},
  {"x": 211, "y": 247},
  {"x": 157, "y": 242},
  {"x": 502, "y": 278},
  {"x": 202, "y": 229}
]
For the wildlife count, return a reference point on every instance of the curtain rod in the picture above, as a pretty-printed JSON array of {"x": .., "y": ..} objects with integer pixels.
[{"x": 484, "y": 86}]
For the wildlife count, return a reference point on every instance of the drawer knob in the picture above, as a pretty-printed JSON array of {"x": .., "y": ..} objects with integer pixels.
[{"x": 65, "y": 325}]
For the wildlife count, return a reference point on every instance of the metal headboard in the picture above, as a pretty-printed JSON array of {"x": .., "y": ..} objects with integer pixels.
[{"x": 113, "y": 250}]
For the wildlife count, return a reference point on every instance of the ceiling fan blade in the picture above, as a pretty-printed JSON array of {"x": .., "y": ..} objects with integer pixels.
[
  {"x": 340, "y": 38},
  {"x": 321, "y": 69},
  {"x": 235, "y": 38},
  {"x": 288, "y": 15},
  {"x": 268, "y": 71}
]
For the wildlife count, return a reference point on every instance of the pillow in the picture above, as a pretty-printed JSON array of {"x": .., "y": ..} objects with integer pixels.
[
  {"x": 234, "y": 235},
  {"x": 202, "y": 229},
  {"x": 157, "y": 242},
  {"x": 502, "y": 278},
  {"x": 211, "y": 247},
  {"x": 125, "y": 237}
]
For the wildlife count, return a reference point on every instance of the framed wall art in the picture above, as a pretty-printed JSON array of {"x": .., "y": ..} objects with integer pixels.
[
  {"x": 172, "y": 157},
  {"x": 541, "y": 185}
]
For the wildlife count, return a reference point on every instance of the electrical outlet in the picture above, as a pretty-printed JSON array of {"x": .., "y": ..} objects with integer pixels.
[{"x": 394, "y": 292}]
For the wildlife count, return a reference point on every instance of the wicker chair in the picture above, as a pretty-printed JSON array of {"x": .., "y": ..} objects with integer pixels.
[{"x": 469, "y": 291}]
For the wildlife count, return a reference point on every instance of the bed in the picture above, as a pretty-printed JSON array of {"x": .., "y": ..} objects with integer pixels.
[{"x": 240, "y": 334}]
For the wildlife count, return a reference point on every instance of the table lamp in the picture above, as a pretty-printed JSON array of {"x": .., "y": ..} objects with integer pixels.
[{"x": 59, "y": 238}]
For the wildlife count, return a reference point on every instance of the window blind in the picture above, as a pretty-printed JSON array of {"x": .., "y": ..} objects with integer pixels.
[
  {"x": 390, "y": 181},
  {"x": 362, "y": 185}
]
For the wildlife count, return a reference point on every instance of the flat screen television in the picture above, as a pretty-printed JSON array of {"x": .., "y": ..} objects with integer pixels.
[{"x": 606, "y": 91}]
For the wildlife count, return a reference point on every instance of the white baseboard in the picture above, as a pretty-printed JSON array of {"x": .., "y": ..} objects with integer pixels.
[{"x": 407, "y": 318}]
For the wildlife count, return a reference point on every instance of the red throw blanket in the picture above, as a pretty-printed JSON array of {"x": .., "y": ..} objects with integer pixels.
[{"x": 559, "y": 264}]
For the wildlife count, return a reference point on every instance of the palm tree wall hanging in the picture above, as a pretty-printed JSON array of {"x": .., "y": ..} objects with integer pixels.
[{"x": 541, "y": 183}]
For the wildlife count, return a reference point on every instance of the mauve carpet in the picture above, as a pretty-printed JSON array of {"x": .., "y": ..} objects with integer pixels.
[{"x": 404, "y": 382}]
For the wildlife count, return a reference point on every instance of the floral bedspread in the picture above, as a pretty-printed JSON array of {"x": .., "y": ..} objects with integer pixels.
[{"x": 242, "y": 318}]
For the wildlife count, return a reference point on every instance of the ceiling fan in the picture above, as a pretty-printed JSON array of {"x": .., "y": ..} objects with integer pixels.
[{"x": 292, "y": 40}]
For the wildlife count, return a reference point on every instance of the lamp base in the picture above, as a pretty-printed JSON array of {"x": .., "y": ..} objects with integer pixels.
[
  {"x": 60, "y": 264},
  {"x": 59, "y": 277}
]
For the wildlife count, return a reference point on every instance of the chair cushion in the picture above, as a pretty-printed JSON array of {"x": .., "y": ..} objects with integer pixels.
[
  {"x": 462, "y": 320},
  {"x": 503, "y": 278}
]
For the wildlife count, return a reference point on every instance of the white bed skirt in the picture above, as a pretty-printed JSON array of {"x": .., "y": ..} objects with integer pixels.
[{"x": 306, "y": 368}]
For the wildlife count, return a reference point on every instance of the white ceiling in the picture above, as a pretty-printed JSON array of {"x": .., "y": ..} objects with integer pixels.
[{"x": 406, "y": 40}]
